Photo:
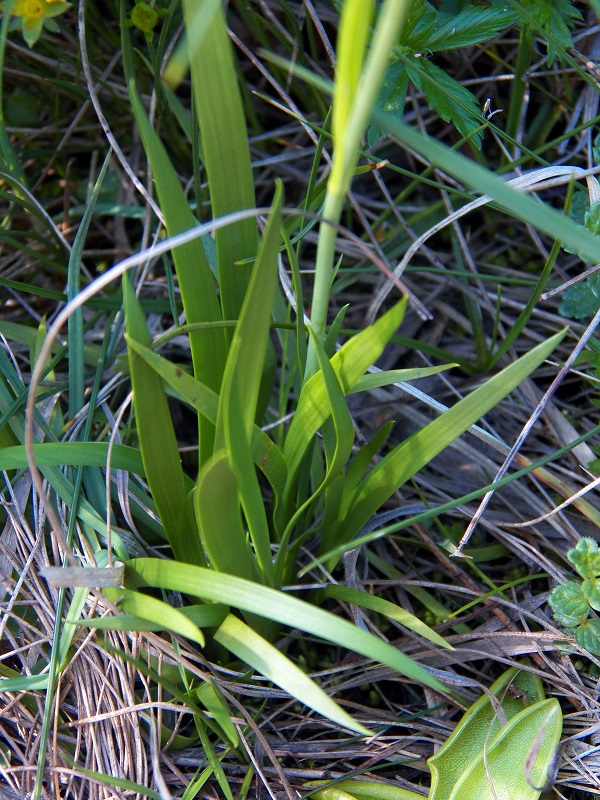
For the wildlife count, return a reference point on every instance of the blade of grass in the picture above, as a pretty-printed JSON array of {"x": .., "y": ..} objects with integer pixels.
[
  {"x": 275, "y": 605},
  {"x": 158, "y": 444},
  {"x": 226, "y": 151},
  {"x": 252, "y": 649}
]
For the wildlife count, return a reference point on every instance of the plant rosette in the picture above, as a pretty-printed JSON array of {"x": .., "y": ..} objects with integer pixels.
[{"x": 571, "y": 602}]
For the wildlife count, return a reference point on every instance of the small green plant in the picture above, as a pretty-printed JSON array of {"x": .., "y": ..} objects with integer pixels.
[
  {"x": 501, "y": 750},
  {"x": 572, "y": 602}
]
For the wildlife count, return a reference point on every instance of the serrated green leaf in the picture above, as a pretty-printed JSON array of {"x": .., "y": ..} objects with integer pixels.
[
  {"x": 392, "y": 99},
  {"x": 568, "y": 604},
  {"x": 552, "y": 18},
  {"x": 591, "y": 592},
  {"x": 582, "y": 300},
  {"x": 470, "y": 26},
  {"x": 588, "y": 636},
  {"x": 585, "y": 557},
  {"x": 452, "y": 101},
  {"x": 419, "y": 25}
]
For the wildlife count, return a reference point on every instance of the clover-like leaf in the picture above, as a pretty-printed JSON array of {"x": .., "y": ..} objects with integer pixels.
[
  {"x": 591, "y": 591},
  {"x": 569, "y": 605},
  {"x": 588, "y": 636},
  {"x": 585, "y": 557}
]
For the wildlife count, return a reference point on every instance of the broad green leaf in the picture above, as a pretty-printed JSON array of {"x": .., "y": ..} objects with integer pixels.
[
  {"x": 582, "y": 300},
  {"x": 264, "y": 451},
  {"x": 209, "y": 615},
  {"x": 252, "y": 649},
  {"x": 568, "y": 604},
  {"x": 212, "y": 699},
  {"x": 416, "y": 452},
  {"x": 155, "y": 611},
  {"x": 24, "y": 683},
  {"x": 382, "y": 606},
  {"x": 365, "y": 790},
  {"x": 241, "y": 386},
  {"x": 591, "y": 592},
  {"x": 217, "y": 509},
  {"x": 515, "y": 689},
  {"x": 244, "y": 367},
  {"x": 278, "y": 606},
  {"x": 502, "y": 770},
  {"x": 158, "y": 443},
  {"x": 360, "y": 463}
]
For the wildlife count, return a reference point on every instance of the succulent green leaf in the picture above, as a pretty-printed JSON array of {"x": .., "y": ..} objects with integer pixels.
[
  {"x": 514, "y": 765},
  {"x": 585, "y": 557},
  {"x": 568, "y": 604},
  {"x": 515, "y": 690}
]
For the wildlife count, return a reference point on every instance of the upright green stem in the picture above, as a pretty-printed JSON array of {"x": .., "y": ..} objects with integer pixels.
[{"x": 356, "y": 91}]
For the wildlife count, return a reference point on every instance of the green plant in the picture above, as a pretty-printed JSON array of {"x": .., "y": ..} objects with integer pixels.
[
  {"x": 572, "y": 602},
  {"x": 234, "y": 532},
  {"x": 503, "y": 748}
]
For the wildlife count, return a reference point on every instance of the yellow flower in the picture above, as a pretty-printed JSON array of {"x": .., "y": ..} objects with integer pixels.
[{"x": 34, "y": 15}]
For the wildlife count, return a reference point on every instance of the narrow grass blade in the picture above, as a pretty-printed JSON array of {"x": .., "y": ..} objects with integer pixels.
[
  {"x": 410, "y": 456},
  {"x": 265, "y": 454},
  {"x": 158, "y": 443},
  {"x": 374, "y": 380},
  {"x": 349, "y": 364},
  {"x": 75, "y": 321},
  {"x": 60, "y": 454},
  {"x": 271, "y": 604},
  {"x": 156, "y": 612},
  {"x": 195, "y": 278},
  {"x": 226, "y": 151},
  {"x": 518, "y": 204},
  {"x": 252, "y": 649},
  {"x": 382, "y": 606}
]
